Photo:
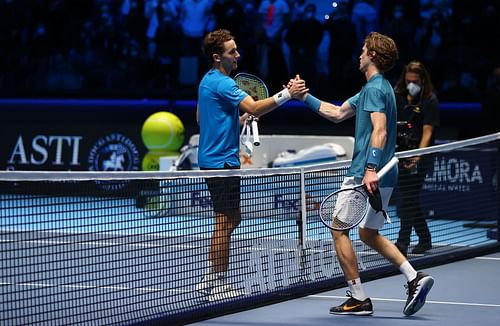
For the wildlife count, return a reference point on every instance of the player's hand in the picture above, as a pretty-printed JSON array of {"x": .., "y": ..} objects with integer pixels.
[
  {"x": 370, "y": 180},
  {"x": 297, "y": 88},
  {"x": 243, "y": 118}
]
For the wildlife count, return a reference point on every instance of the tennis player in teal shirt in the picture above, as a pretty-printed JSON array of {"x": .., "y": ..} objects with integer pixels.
[
  {"x": 220, "y": 102},
  {"x": 375, "y": 143}
]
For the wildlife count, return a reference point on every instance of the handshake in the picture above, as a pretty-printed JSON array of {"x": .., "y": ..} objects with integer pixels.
[{"x": 297, "y": 88}]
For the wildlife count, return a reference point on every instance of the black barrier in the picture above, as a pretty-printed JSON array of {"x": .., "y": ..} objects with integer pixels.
[
  {"x": 105, "y": 135},
  {"x": 76, "y": 135}
]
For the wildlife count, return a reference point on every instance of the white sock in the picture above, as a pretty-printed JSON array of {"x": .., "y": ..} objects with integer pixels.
[
  {"x": 408, "y": 271},
  {"x": 209, "y": 272},
  {"x": 356, "y": 289}
]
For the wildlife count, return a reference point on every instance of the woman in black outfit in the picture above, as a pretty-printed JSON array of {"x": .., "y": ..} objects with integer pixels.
[{"x": 418, "y": 116}]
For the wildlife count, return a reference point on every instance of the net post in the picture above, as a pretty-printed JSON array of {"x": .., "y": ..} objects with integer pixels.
[
  {"x": 302, "y": 223},
  {"x": 498, "y": 191},
  {"x": 303, "y": 208}
]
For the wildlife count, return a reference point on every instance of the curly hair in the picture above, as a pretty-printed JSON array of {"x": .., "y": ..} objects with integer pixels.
[
  {"x": 385, "y": 48},
  {"x": 213, "y": 43},
  {"x": 421, "y": 70}
]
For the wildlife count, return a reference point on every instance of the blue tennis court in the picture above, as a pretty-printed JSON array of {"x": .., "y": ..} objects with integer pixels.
[
  {"x": 464, "y": 293},
  {"x": 100, "y": 264}
]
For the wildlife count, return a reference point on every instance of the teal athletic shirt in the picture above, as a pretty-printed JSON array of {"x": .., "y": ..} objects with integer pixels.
[
  {"x": 219, "y": 118},
  {"x": 377, "y": 95}
]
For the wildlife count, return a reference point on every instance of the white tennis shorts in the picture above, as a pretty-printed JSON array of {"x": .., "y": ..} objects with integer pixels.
[{"x": 372, "y": 220}]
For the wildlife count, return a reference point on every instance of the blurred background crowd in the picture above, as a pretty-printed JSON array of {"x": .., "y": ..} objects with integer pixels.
[{"x": 151, "y": 48}]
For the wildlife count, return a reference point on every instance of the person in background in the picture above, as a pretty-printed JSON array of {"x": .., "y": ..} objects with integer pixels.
[
  {"x": 220, "y": 101},
  {"x": 303, "y": 37},
  {"x": 342, "y": 51},
  {"x": 418, "y": 117},
  {"x": 375, "y": 144},
  {"x": 273, "y": 20}
]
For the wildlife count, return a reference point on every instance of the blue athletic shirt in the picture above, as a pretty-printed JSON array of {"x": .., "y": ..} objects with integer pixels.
[
  {"x": 377, "y": 95},
  {"x": 219, "y": 118}
]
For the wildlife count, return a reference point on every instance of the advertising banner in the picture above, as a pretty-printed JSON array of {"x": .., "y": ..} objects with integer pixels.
[{"x": 459, "y": 182}]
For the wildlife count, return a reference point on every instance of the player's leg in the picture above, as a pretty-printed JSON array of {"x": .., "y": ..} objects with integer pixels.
[
  {"x": 419, "y": 283},
  {"x": 220, "y": 243},
  {"x": 225, "y": 194},
  {"x": 358, "y": 303}
]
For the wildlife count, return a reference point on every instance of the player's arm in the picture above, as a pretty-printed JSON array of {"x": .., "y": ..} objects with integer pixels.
[
  {"x": 330, "y": 111},
  {"x": 257, "y": 108},
  {"x": 377, "y": 143},
  {"x": 261, "y": 107}
]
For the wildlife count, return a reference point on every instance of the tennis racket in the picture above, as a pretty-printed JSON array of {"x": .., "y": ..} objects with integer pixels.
[
  {"x": 257, "y": 89},
  {"x": 252, "y": 85},
  {"x": 345, "y": 208}
]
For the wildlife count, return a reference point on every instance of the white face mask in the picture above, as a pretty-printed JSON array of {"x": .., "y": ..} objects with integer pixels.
[{"x": 413, "y": 89}]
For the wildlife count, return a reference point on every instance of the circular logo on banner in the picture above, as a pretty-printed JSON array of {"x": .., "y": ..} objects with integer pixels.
[{"x": 114, "y": 152}]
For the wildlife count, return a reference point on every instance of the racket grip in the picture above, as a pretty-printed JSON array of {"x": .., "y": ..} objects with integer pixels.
[
  {"x": 255, "y": 133},
  {"x": 243, "y": 132}
]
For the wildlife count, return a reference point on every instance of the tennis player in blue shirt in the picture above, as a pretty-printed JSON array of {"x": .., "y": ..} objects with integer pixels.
[
  {"x": 375, "y": 144},
  {"x": 220, "y": 102}
]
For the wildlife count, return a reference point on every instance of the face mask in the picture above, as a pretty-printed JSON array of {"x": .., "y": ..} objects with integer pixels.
[{"x": 413, "y": 89}]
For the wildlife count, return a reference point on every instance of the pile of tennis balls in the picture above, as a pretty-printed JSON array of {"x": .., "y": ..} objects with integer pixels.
[{"x": 163, "y": 134}]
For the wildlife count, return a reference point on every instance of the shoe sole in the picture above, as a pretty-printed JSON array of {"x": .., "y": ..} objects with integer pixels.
[
  {"x": 419, "y": 300},
  {"x": 357, "y": 313},
  {"x": 224, "y": 296}
]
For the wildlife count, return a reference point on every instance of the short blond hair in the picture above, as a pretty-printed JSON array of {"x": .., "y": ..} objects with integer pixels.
[{"x": 385, "y": 48}]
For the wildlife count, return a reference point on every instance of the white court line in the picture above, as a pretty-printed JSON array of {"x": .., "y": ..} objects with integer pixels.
[
  {"x": 106, "y": 287},
  {"x": 83, "y": 243},
  {"x": 402, "y": 300},
  {"x": 488, "y": 258}
]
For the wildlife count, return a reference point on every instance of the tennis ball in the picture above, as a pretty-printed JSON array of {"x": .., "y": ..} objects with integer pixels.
[
  {"x": 163, "y": 131},
  {"x": 151, "y": 161}
]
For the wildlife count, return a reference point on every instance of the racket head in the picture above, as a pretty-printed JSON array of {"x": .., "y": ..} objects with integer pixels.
[
  {"x": 345, "y": 208},
  {"x": 252, "y": 85}
]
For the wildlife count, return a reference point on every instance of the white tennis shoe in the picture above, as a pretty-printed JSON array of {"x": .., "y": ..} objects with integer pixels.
[
  {"x": 206, "y": 284},
  {"x": 224, "y": 291}
]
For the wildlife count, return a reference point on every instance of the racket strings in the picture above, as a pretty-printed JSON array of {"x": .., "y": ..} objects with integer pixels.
[
  {"x": 345, "y": 209},
  {"x": 253, "y": 87}
]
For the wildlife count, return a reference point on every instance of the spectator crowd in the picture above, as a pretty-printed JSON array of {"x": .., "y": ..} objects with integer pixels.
[{"x": 146, "y": 48}]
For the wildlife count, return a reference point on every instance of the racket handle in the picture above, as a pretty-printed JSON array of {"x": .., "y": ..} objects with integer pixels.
[
  {"x": 387, "y": 167},
  {"x": 255, "y": 133},
  {"x": 243, "y": 132}
]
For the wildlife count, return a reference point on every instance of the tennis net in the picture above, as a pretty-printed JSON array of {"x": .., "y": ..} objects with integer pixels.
[{"x": 129, "y": 247}]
